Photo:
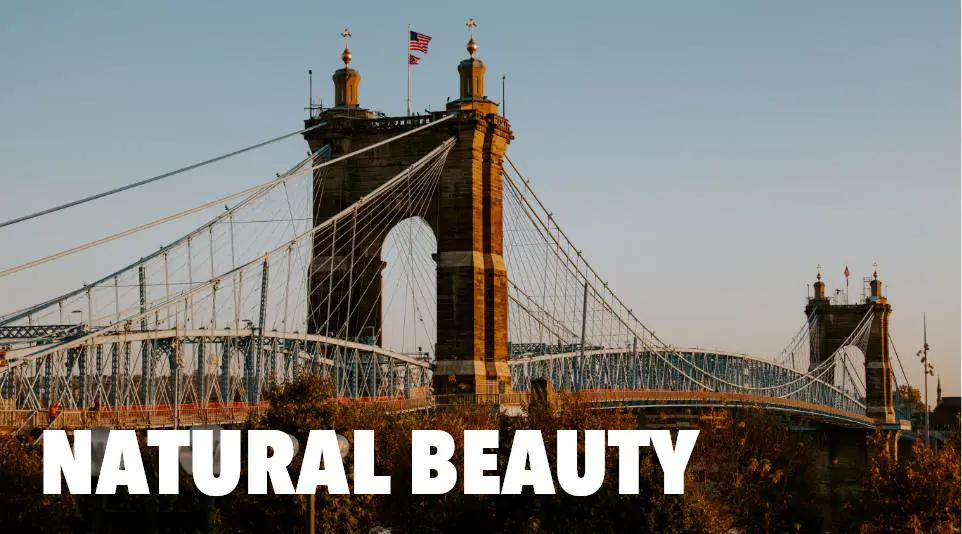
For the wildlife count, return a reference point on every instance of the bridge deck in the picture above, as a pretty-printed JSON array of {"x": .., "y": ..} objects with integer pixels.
[
  {"x": 612, "y": 398},
  {"x": 19, "y": 421}
]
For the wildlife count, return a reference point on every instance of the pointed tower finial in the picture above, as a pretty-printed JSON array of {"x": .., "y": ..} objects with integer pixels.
[
  {"x": 471, "y": 73},
  {"x": 875, "y": 284},
  {"x": 819, "y": 286},
  {"x": 346, "y": 55},
  {"x": 472, "y": 46},
  {"x": 347, "y": 80}
]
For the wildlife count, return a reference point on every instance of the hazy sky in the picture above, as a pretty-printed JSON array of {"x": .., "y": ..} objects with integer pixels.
[{"x": 705, "y": 155}]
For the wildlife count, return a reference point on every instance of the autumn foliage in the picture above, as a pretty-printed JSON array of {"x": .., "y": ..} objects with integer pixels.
[
  {"x": 23, "y": 506},
  {"x": 606, "y": 511},
  {"x": 916, "y": 494},
  {"x": 749, "y": 472},
  {"x": 754, "y": 466}
]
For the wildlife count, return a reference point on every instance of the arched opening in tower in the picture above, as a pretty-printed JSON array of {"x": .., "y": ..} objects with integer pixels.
[{"x": 409, "y": 289}]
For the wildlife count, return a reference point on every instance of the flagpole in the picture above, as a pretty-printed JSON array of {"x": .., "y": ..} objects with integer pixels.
[
  {"x": 407, "y": 59},
  {"x": 846, "y": 273}
]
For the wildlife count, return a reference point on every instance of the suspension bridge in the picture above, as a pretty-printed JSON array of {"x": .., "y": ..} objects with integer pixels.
[{"x": 408, "y": 259}]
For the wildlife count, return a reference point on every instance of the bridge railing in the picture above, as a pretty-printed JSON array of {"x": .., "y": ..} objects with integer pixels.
[
  {"x": 17, "y": 419},
  {"x": 151, "y": 417},
  {"x": 454, "y": 399},
  {"x": 655, "y": 398},
  {"x": 162, "y": 416}
]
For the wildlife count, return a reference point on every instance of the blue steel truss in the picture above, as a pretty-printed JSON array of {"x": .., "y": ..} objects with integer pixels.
[
  {"x": 680, "y": 370},
  {"x": 134, "y": 369}
]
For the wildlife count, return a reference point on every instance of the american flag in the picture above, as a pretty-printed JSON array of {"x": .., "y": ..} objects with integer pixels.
[
  {"x": 413, "y": 60},
  {"x": 419, "y": 42}
]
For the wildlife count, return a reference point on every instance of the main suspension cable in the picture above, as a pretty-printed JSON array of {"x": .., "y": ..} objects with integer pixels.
[
  {"x": 154, "y": 179},
  {"x": 315, "y": 166}
]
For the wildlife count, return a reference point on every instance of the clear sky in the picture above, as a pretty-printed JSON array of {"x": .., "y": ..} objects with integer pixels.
[{"x": 705, "y": 155}]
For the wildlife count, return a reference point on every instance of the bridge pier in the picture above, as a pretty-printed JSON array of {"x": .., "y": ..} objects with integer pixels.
[{"x": 840, "y": 457}]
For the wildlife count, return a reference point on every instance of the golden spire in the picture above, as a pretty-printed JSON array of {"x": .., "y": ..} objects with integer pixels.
[
  {"x": 346, "y": 55},
  {"x": 819, "y": 269},
  {"x": 472, "y": 46}
]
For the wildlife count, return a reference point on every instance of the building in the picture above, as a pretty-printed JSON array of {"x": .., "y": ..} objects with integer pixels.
[{"x": 946, "y": 415}]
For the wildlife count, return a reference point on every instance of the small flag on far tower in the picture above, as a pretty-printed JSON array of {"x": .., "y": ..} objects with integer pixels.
[
  {"x": 419, "y": 42},
  {"x": 846, "y": 271},
  {"x": 413, "y": 60}
]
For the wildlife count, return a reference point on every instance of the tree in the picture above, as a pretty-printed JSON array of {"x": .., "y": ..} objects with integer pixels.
[
  {"x": 23, "y": 505},
  {"x": 760, "y": 471},
  {"x": 919, "y": 493},
  {"x": 749, "y": 470},
  {"x": 606, "y": 510},
  {"x": 309, "y": 403},
  {"x": 912, "y": 399}
]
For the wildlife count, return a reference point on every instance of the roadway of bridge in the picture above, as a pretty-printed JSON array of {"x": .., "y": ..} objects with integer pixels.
[
  {"x": 26, "y": 421},
  {"x": 19, "y": 355}
]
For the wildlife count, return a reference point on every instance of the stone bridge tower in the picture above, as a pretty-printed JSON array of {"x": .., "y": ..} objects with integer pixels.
[
  {"x": 836, "y": 321},
  {"x": 465, "y": 215}
]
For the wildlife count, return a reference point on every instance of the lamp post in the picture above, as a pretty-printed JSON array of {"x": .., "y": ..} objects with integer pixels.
[
  {"x": 345, "y": 448},
  {"x": 98, "y": 447},
  {"x": 186, "y": 463},
  {"x": 186, "y": 457},
  {"x": 504, "y": 102},
  {"x": 927, "y": 369}
]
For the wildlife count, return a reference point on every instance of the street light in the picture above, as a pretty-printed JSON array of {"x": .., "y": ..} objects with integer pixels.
[
  {"x": 98, "y": 447},
  {"x": 345, "y": 447},
  {"x": 187, "y": 464},
  {"x": 927, "y": 369}
]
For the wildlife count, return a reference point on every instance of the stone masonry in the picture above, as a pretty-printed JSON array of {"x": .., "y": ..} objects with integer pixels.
[{"x": 464, "y": 213}]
